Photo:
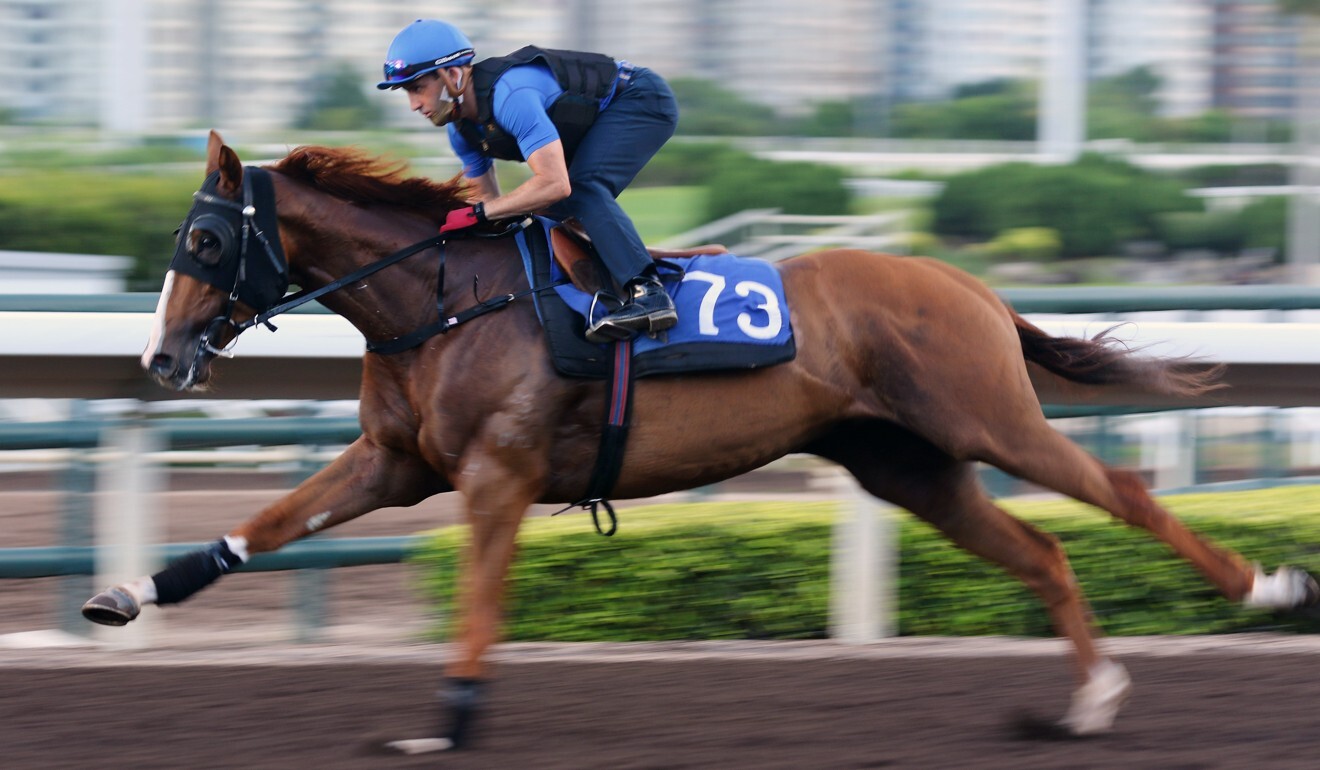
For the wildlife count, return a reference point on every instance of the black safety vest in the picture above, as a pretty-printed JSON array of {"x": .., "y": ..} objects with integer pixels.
[{"x": 585, "y": 77}]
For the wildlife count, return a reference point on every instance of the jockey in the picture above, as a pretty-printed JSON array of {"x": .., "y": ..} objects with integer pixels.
[{"x": 584, "y": 124}]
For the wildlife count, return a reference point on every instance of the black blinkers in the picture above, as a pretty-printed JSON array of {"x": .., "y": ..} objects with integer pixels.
[
  {"x": 258, "y": 280},
  {"x": 221, "y": 230}
]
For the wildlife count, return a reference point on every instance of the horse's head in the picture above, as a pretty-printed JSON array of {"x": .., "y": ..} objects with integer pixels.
[{"x": 228, "y": 266}]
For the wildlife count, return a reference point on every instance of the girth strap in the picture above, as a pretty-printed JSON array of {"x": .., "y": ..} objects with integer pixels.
[{"x": 613, "y": 440}]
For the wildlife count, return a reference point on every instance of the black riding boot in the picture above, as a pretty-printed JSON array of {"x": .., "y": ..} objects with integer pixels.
[{"x": 648, "y": 309}]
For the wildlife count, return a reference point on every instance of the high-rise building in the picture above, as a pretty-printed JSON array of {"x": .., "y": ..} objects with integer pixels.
[
  {"x": 1174, "y": 39},
  {"x": 49, "y": 56},
  {"x": 163, "y": 65},
  {"x": 783, "y": 53},
  {"x": 1255, "y": 59},
  {"x": 938, "y": 45}
]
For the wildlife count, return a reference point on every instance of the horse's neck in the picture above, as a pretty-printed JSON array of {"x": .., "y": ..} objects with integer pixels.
[{"x": 385, "y": 304}]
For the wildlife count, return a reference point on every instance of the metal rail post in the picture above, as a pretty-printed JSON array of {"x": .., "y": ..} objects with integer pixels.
[
  {"x": 126, "y": 517},
  {"x": 78, "y": 482},
  {"x": 863, "y": 567}
]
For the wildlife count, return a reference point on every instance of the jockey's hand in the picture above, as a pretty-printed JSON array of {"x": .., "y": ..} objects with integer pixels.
[{"x": 468, "y": 216}]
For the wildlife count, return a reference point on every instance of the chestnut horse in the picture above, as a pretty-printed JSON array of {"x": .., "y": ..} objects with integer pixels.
[{"x": 908, "y": 373}]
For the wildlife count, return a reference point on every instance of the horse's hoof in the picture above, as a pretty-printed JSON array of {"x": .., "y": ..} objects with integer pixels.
[
  {"x": 417, "y": 746},
  {"x": 1096, "y": 703},
  {"x": 112, "y": 607},
  {"x": 1288, "y": 588}
]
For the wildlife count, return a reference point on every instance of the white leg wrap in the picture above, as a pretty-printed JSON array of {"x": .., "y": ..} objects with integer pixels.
[
  {"x": 238, "y": 547},
  {"x": 420, "y": 745},
  {"x": 143, "y": 589},
  {"x": 1096, "y": 703},
  {"x": 1285, "y": 589}
]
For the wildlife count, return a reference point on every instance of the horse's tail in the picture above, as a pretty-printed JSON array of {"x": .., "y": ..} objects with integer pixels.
[{"x": 1103, "y": 360}]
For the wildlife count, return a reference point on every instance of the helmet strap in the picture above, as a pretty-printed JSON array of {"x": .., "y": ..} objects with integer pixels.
[{"x": 456, "y": 98}]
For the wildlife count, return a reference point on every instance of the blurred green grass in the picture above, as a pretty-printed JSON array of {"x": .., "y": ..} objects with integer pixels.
[{"x": 663, "y": 212}]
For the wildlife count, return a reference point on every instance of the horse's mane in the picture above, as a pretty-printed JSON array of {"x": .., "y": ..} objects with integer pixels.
[{"x": 359, "y": 177}]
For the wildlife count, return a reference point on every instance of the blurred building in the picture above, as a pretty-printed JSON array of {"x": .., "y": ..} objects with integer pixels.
[
  {"x": 1173, "y": 38},
  {"x": 939, "y": 45},
  {"x": 142, "y": 66},
  {"x": 783, "y": 53},
  {"x": 49, "y": 57},
  {"x": 1256, "y": 59}
]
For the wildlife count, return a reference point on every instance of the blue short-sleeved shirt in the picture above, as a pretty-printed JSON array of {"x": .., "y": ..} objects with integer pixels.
[{"x": 520, "y": 101}]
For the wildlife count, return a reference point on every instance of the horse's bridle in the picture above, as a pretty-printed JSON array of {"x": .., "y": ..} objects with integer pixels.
[{"x": 234, "y": 225}]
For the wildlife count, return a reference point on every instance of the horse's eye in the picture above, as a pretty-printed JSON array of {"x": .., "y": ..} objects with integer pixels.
[{"x": 205, "y": 247}]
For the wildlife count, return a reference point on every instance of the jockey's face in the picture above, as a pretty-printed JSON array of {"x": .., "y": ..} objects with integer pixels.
[{"x": 430, "y": 94}]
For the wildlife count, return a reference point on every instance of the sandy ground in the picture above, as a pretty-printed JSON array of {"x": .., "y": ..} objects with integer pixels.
[
  {"x": 1236, "y": 703},
  {"x": 220, "y": 682}
]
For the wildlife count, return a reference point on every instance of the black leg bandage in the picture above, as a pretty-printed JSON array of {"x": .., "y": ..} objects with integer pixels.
[
  {"x": 462, "y": 697},
  {"x": 192, "y": 572}
]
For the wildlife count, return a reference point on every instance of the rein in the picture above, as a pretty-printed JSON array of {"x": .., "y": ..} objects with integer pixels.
[
  {"x": 418, "y": 336},
  {"x": 303, "y": 297}
]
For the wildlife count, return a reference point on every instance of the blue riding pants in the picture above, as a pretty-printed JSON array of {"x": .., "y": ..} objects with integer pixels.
[{"x": 626, "y": 135}]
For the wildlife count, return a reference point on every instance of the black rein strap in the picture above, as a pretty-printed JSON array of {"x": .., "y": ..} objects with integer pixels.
[
  {"x": 303, "y": 297},
  {"x": 417, "y": 337}
]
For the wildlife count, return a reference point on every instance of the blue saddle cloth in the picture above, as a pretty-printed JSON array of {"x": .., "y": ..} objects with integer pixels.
[{"x": 732, "y": 314}]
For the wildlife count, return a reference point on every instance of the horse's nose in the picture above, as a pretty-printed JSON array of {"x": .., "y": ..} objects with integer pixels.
[{"x": 162, "y": 365}]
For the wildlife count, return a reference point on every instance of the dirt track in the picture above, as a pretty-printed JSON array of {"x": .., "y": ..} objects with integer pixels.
[
  {"x": 223, "y": 687},
  {"x": 828, "y": 708}
]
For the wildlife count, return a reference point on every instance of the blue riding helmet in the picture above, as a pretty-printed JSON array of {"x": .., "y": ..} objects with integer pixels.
[{"x": 424, "y": 46}]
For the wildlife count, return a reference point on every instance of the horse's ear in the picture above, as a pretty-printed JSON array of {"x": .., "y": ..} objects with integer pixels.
[
  {"x": 213, "y": 146},
  {"x": 231, "y": 173},
  {"x": 219, "y": 157}
]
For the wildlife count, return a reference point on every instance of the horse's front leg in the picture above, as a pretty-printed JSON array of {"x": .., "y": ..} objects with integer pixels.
[
  {"x": 498, "y": 485},
  {"x": 365, "y": 477}
]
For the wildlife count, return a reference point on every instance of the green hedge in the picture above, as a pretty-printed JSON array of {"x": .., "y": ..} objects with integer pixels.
[
  {"x": 741, "y": 181},
  {"x": 761, "y": 571},
  {"x": 1094, "y": 204},
  {"x": 86, "y": 212}
]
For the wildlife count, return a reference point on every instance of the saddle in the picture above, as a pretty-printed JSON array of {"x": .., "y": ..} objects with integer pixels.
[
  {"x": 577, "y": 257},
  {"x": 742, "y": 329}
]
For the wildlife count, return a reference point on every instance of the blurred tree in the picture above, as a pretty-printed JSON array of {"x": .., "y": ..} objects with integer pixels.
[
  {"x": 1034, "y": 244},
  {"x": 683, "y": 163},
  {"x": 339, "y": 102},
  {"x": 831, "y": 119},
  {"x": 1299, "y": 6},
  {"x": 1265, "y": 225},
  {"x": 1093, "y": 204},
  {"x": 985, "y": 88},
  {"x": 707, "y": 109},
  {"x": 742, "y": 181},
  {"x": 80, "y": 211},
  {"x": 995, "y": 110}
]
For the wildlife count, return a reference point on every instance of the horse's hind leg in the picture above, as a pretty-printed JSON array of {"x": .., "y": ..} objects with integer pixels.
[
  {"x": 898, "y": 466},
  {"x": 1043, "y": 455}
]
